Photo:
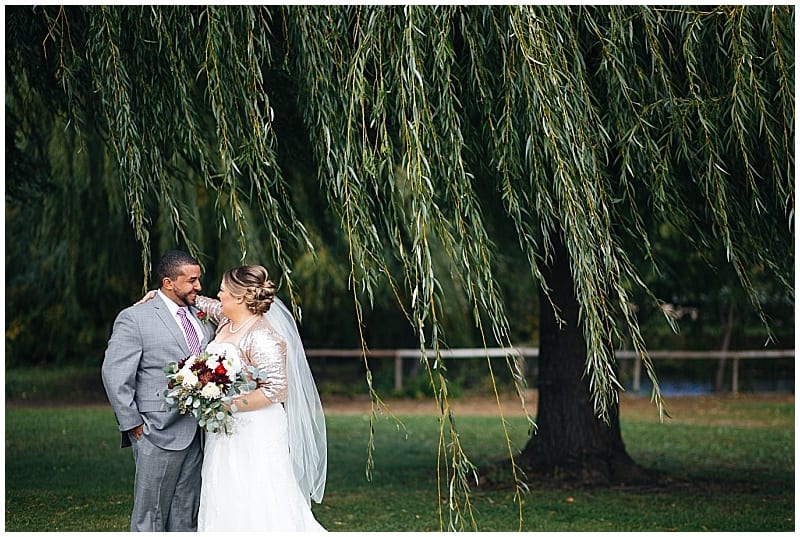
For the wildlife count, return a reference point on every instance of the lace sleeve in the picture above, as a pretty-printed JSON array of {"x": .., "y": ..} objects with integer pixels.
[
  {"x": 267, "y": 351},
  {"x": 212, "y": 307}
]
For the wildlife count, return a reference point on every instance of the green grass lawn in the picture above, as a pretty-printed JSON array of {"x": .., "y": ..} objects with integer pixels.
[{"x": 65, "y": 472}]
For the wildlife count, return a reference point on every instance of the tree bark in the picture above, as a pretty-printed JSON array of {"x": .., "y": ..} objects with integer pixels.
[{"x": 571, "y": 443}]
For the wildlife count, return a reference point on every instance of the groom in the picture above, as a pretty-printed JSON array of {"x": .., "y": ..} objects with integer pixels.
[{"x": 166, "y": 444}]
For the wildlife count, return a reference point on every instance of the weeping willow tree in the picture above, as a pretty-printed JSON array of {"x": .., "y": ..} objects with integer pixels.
[{"x": 428, "y": 129}]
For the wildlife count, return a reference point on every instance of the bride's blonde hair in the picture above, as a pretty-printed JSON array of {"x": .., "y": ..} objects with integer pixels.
[{"x": 252, "y": 283}]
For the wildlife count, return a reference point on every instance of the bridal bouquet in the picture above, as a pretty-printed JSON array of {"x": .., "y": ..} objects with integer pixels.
[{"x": 204, "y": 386}]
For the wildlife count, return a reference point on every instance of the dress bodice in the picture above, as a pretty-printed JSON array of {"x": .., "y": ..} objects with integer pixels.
[
  {"x": 261, "y": 346},
  {"x": 223, "y": 346}
]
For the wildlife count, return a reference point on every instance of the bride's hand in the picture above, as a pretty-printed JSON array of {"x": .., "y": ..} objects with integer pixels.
[{"x": 150, "y": 295}]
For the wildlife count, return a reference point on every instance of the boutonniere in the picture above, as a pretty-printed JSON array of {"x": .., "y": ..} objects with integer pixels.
[{"x": 201, "y": 315}]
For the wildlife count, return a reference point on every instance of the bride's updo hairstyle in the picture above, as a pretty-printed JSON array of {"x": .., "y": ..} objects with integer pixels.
[{"x": 252, "y": 283}]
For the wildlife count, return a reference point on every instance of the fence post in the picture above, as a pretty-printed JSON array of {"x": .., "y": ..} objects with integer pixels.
[
  {"x": 522, "y": 366},
  {"x": 735, "y": 376},
  {"x": 637, "y": 374},
  {"x": 398, "y": 371}
]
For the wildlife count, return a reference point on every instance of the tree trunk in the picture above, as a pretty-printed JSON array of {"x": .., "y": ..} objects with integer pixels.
[{"x": 571, "y": 443}]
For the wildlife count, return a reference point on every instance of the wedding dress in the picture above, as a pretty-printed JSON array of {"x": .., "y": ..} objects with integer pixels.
[{"x": 250, "y": 480}]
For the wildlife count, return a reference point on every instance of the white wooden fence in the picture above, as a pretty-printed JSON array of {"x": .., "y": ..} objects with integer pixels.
[{"x": 522, "y": 353}]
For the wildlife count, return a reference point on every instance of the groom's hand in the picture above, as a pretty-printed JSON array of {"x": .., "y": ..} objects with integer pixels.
[
  {"x": 136, "y": 432},
  {"x": 149, "y": 296}
]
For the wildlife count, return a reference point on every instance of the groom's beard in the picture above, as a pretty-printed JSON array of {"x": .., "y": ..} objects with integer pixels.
[{"x": 188, "y": 299}]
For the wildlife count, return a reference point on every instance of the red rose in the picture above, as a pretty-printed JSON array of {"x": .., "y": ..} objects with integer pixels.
[
  {"x": 220, "y": 370},
  {"x": 201, "y": 315}
]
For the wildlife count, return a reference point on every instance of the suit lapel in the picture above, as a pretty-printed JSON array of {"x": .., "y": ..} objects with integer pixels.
[{"x": 171, "y": 325}]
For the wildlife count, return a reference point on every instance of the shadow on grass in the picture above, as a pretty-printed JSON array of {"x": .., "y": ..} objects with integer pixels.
[{"x": 66, "y": 472}]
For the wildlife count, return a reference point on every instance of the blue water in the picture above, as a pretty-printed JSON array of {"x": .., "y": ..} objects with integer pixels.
[{"x": 695, "y": 387}]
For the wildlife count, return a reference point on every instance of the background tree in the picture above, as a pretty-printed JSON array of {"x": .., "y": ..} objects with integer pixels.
[{"x": 415, "y": 142}]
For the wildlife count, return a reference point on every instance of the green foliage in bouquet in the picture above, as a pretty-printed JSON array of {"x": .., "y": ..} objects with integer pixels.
[{"x": 205, "y": 385}]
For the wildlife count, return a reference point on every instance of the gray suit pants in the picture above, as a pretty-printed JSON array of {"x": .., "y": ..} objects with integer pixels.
[{"x": 167, "y": 487}]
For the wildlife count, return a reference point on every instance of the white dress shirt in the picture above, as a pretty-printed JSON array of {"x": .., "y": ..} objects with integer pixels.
[{"x": 173, "y": 309}]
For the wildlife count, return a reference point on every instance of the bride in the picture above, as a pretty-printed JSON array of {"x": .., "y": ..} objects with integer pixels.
[{"x": 263, "y": 476}]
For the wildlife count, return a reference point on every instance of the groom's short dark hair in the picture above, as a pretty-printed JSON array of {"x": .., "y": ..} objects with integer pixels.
[{"x": 171, "y": 265}]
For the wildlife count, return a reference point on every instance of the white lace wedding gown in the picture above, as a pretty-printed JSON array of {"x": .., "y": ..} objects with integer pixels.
[{"x": 248, "y": 481}]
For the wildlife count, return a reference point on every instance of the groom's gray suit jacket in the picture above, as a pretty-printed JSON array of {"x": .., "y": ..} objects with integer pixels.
[{"x": 144, "y": 340}]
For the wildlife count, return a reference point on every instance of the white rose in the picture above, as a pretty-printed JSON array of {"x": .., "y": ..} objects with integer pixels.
[
  {"x": 231, "y": 367},
  {"x": 189, "y": 379},
  {"x": 210, "y": 391}
]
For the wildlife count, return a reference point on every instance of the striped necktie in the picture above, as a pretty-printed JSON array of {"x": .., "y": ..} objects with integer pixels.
[{"x": 191, "y": 334}]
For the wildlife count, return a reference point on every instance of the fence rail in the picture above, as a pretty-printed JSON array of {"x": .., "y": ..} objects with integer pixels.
[{"x": 522, "y": 353}]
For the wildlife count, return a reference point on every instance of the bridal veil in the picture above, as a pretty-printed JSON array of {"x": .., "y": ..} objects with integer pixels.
[{"x": 307, "y": 437}]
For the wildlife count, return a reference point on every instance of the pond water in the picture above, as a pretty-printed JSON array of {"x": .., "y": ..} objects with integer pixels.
[{"x": 677, "y": 386}]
